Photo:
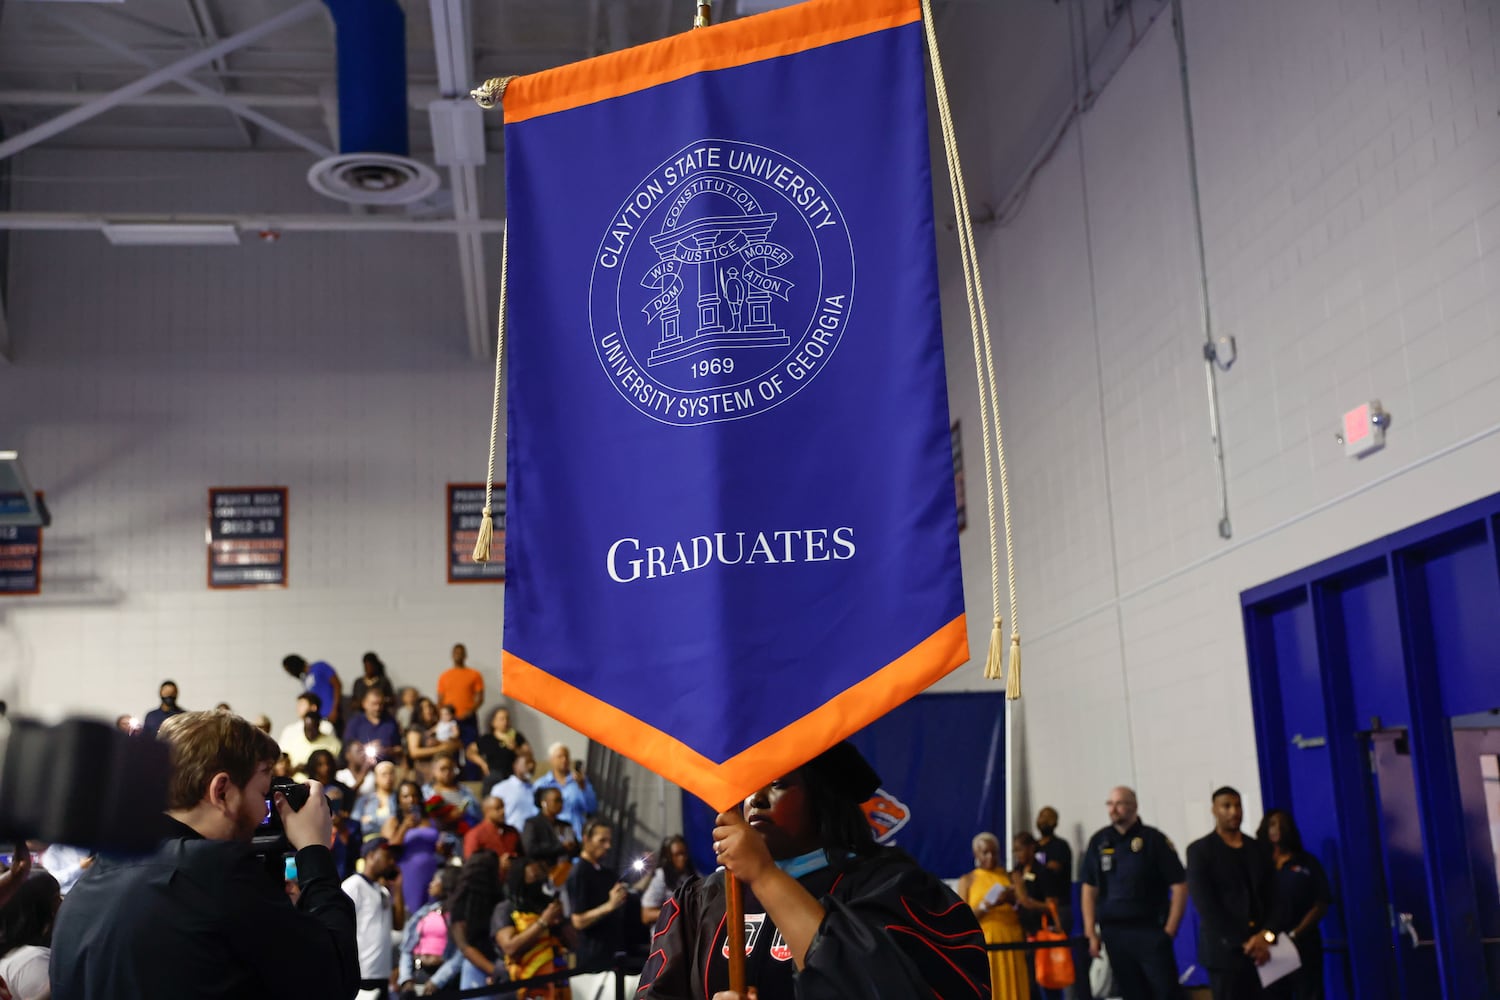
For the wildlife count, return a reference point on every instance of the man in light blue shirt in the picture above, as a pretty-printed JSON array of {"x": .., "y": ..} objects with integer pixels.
[
  {"x": 579, "y": 800},
  {"x": 516, "y": 791}
]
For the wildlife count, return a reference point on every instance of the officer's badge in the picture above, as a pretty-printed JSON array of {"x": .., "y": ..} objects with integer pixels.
[{"x": 1136, "y": 844}]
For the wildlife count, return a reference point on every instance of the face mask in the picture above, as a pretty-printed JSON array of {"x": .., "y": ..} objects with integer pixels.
[
  {"x": 533, "y": 897},
  {"x": 169, "y": 702},
  {"x": 1046, "y": 830}
]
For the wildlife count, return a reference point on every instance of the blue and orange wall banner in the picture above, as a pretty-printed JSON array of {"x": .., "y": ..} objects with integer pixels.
[
  {"x": 918, "y": 807},
  {"x": 731, "y": 537}
]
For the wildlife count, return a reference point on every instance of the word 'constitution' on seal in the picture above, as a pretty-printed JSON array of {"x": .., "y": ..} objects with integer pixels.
[{"x": 723, "y": 284}]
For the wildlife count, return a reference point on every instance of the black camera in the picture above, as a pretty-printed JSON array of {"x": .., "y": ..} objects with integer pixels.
[
  {"x": 296, "y": 794},
  {"x": 270, "y": 838},
  {"x": 82, "y": 783}
]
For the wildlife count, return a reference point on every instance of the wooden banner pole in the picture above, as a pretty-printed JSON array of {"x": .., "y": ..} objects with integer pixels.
[{"x": 734, "y": 920}]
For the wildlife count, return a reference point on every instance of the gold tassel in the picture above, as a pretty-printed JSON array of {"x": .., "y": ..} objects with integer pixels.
[
  {"x": 1013, "y": 677},
  {"x": 992, "y": 662},
  {"x": 486, "y": 535}
]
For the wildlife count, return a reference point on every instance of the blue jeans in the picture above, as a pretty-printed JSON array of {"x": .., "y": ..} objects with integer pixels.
[{"x": 473, "y": 976}]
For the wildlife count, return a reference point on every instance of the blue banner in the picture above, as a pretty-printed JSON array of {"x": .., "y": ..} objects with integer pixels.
[{"x": 731, "y": 537}]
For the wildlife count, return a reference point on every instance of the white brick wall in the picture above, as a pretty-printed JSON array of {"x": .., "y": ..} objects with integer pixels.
[
  {"x": 333, "y": 364},
  {"x": 1349, "y": 157}
]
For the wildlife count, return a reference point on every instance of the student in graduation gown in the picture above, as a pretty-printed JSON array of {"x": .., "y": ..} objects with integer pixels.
[{"x": 828, "y": 912}]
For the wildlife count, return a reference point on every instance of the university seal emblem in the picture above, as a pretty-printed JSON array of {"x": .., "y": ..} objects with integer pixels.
[{"x": 722, "y": 286}]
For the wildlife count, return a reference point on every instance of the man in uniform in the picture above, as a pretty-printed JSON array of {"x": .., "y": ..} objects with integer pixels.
[{"x": 1134, "y": 895}]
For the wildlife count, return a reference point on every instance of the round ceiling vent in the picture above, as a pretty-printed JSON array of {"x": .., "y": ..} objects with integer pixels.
[{"x": 373, "y": 179}]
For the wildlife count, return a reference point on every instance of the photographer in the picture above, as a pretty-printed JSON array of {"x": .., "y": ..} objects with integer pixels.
[{"x": 203, "y": 916}]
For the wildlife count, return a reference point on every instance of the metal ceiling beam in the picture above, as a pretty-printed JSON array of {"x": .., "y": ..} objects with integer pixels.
[
  {"x": 471, "y": 260},
  {"x": 72, "y": 98},
  {"x": 208, "y": 34},
  {"x": 151, "y": 81},
  {"x": 453, "y": 46},
  {"x": 217, "y": 97},
  {"x": 247, "y": 223},
  {"x": 451, "y": 36}
]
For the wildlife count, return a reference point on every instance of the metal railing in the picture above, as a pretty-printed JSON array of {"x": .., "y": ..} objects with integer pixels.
[{"x": 621, "y": 968}]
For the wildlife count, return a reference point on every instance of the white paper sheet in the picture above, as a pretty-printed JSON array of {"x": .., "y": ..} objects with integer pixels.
[{"x": 1283, "y": 962}]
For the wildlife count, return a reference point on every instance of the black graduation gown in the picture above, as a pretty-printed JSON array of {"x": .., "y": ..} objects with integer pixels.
[{"x": 892, "y": 931}]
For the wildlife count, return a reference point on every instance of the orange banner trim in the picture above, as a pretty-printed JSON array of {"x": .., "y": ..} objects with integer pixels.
[
  {"x": 734, "y": 43},
  {"x": 724, "y": 785}
]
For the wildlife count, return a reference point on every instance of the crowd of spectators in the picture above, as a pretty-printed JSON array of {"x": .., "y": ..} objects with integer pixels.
[
  {"x": 465, "y": 868},
  {"x": 398, "y": 764}
]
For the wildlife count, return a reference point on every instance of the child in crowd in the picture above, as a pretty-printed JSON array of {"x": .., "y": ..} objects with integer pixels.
[{"x": 447, "y": 727}]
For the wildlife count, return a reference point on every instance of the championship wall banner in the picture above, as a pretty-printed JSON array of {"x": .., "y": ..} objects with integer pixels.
[{"x": 731, "y": 536}]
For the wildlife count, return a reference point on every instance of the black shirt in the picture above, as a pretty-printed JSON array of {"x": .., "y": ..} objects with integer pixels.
[
  {"x": 1297, "y": 887},
  {"x": 1042, "y": 883},
  {"x": 204, "y": 918},
  {"x": 1057, "y": 854},
  {"x": 1231, "y": 888},
  {"x": 155, "y": 718},
  {"x": 500, "y": 758},
  {"x": 588, "y": 886},
  {"x": 1134, "y": 872},
  {"x": 548, "y": 841}
]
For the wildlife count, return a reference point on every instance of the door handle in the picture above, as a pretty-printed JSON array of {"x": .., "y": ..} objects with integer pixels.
[{"x": 1405, "y": 925}]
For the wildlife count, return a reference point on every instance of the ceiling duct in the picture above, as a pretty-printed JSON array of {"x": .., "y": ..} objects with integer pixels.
[{"x": 373, "y": 166}]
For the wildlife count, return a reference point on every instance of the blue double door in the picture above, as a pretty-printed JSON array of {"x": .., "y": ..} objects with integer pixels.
[{"x": 1376, "y": 682}]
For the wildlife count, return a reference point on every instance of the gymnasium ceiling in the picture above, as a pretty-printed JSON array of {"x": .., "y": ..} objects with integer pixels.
[
  {"x": 1012, "y": 67},
  {"x": 1008, "y": 61}
]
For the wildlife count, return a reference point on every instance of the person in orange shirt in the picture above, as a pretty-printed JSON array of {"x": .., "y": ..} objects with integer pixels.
[{"x": 463, "y": 687}]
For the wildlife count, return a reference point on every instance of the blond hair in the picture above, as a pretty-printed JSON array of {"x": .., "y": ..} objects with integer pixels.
[{"x": 208, "y": 743}]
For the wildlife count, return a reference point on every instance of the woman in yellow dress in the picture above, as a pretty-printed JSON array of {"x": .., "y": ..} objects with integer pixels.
[{"x": 988, "y": 891}]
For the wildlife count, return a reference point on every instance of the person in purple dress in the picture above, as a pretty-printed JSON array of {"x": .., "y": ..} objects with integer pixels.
[{"x": 417, "y": 833}]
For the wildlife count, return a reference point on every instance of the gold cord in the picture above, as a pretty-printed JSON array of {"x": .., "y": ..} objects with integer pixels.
[
  {"x": 487, "y": 522},
  {"x": 984, "y": 364}
]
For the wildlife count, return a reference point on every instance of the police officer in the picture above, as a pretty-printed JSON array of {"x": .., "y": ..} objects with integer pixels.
[{"x": 1134, "y": 895}]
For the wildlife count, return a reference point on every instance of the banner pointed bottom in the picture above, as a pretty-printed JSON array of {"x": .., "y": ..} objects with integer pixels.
[{"x": 724, "y": 784}]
